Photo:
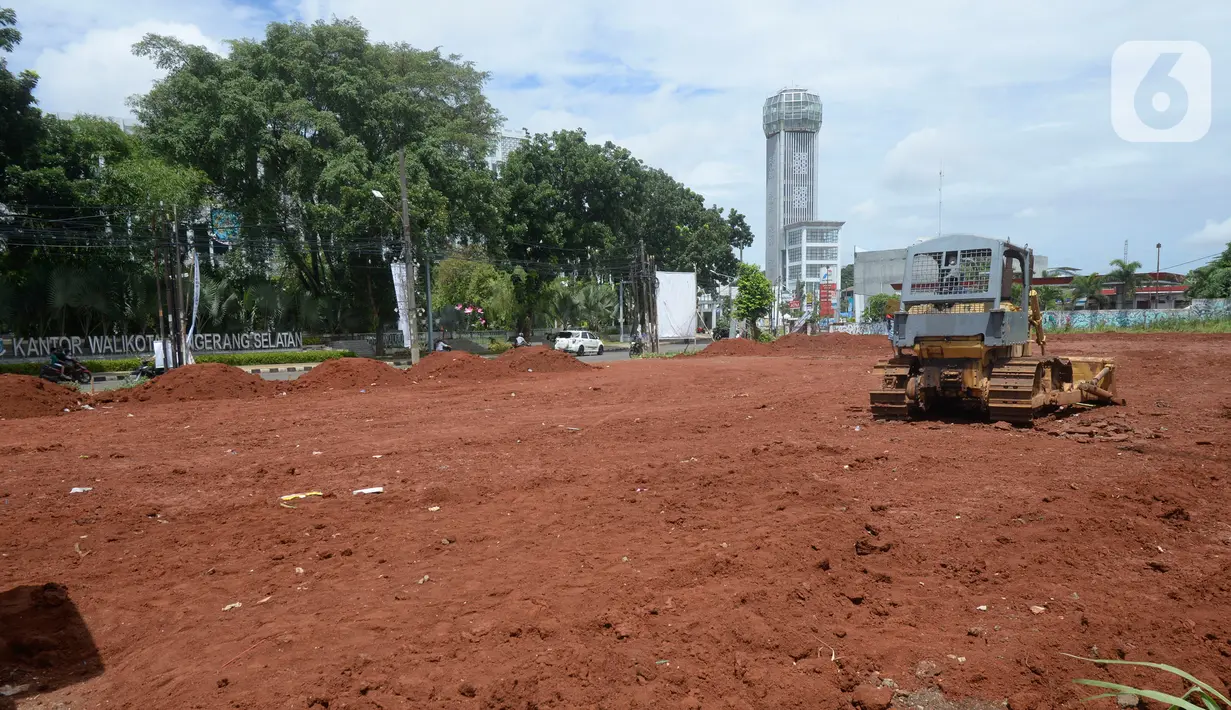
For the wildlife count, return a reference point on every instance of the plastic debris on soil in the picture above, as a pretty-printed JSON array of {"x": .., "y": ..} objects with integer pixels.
[
  {"x": 23, "y": 396},
  {"x": 351, "y": 373}
]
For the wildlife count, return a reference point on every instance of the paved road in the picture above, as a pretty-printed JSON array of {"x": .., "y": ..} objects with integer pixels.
[{"x": 608, "y": 356}]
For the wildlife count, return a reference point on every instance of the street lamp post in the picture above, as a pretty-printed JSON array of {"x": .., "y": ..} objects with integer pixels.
[
  {"x": 1158, "y": 259},
  {"x": 408, "y": 281}
]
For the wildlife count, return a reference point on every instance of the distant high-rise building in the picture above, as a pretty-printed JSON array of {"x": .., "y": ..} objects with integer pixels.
[
  {"x": 503, "y": 144},
  {"x": 798, "y": 248}
]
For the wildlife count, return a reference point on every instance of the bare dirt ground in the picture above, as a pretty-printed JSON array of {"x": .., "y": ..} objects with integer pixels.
[{"x": 717, "y": 532}]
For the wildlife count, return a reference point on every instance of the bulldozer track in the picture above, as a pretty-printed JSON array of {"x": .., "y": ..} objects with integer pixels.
[
  {"x": 1011, "y": 390},
  {"x": 889, "y": 402}
]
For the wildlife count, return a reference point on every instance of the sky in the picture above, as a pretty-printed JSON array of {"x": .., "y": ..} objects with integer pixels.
[{"x": 1012, "y": 100}]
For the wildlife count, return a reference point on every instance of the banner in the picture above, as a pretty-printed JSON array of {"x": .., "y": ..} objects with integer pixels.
[
  {"x": 196, "y": 302},
  {"x": 677, "y": 304},
  {"x": 399, "y": 291},
  {"x": 96, "y": 345}
]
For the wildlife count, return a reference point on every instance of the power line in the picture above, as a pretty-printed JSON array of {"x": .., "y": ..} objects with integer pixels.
[{"x": 1201, "y": 258}]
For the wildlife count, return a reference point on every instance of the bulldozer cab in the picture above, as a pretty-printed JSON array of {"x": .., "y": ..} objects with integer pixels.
[{"x": 960, "y": 286}]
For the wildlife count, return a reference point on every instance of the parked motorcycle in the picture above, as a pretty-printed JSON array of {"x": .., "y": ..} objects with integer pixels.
[
  {"x": 145, "y": 372},
  {"x": 635, "y": 348},
  {"x": 64, "y": 369}
]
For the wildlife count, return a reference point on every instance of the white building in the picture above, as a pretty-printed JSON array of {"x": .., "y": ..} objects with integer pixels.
[
  {"x": 811, "y": 255},
  {"x": 791, "y": 120},
  {"x": 502, "y": 145}
]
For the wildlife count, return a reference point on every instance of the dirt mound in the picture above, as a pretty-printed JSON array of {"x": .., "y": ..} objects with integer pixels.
[
  {"x": 540, "y": 358},
  {"x": 22, "y": 397},
  {"x": 736, "y": 346},
  {"x": 351, "y": 373},
  {"x": 453, "y": 365},
  {"x": 204, "y": 381},
  {"x": 829, "y": 344}
]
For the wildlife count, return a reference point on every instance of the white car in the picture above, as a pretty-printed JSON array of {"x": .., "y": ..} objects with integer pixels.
[{"x": 579, "y": 342}]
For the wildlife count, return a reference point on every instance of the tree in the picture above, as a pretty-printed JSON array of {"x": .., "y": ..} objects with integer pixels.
[
  {"x": 848, "y": 277},
  {"x": 1124, "y": 275},
  {"x": 1089, "y": 287},
  {"x": 1212, "y": 280},
  {"x": 876, "y": 307},
  {"x": 1050, "y": 297},
  {"x": 20, "y": 124},
  {"x": 741, "y": 233},
  {"x": 465, "y": 278},
  {"x": 297, "y": 129},
  {"x": 576, "y": 207},
  {"x": 755, "y": 297}
]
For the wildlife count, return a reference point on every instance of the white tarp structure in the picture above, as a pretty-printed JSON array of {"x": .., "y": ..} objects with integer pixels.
[
  {"x": 677, "y": 304},
  {"x": 399, "y": 290}
]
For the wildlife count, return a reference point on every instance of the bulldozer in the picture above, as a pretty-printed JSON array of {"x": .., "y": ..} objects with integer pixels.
[{"x": 961, "y": 341}]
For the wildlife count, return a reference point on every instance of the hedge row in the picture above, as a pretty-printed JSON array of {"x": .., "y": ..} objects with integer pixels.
[{"x": 236, "y": 359}]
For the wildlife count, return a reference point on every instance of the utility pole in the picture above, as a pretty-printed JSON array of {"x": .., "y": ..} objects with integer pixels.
[
  {"x": 652, "y": 281},
  {"x": 412, "y": 311},
  {"x": 427, "y": 275},
  {"x": 181, "y": 305},
  {"x": 1158, "y": 260},
  {"x": 621, "y": 310},
  {"x": 159, "y": 272},
  {"x": 178, "y": 305}
]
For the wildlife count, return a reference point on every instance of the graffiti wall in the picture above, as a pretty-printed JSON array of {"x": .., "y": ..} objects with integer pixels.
[
  {"x": 861, "y": 329},
  {"x": 1211, "y": 309}
]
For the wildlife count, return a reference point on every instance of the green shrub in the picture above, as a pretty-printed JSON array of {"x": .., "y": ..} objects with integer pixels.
[
  {"x": 236, "y": 359},
  {"x": 498, "y": 346},
  {"x": 274, "y": 358}
]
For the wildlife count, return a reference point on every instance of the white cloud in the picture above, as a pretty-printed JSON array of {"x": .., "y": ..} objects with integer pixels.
[
  {"x": 1216, "y": 234},
  {"x": 1013, "y": 105},
  {"x": 99, "y": 72},
  {"x": 867, "y": 208}
]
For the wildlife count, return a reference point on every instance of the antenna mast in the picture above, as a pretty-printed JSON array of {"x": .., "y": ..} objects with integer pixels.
[{"x": 940, "y": 198}]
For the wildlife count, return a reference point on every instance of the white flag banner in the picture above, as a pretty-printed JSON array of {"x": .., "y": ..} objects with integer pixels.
[
  {"x": 399, "y": 290},
  {"x": 196, "y": 304}
]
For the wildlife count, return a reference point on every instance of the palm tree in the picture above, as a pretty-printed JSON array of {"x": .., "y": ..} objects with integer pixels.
[
  {"x": 1090, "y": 288},
  {"x": 1050, "y": 297},
  {"x": 1125, "y": 272},
  {"x": 598, "y": 304}
]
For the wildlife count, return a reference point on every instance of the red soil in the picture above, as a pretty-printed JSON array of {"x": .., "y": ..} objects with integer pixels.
[
  {"x": 736, "y": 346},
  {"x": 22, "y": 397},
  {"x": 455, "y": 365},
  {"x": 351, "y": 373},
  {"x": 831, "y": 344},
  {"x": 204, "y": 381},
  {"x": 662, "y": 533},
  {"x": 540, "y": 358}
]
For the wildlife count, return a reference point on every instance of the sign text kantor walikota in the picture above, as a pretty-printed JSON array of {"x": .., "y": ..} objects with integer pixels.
[{"x": 144, "y": 344}]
